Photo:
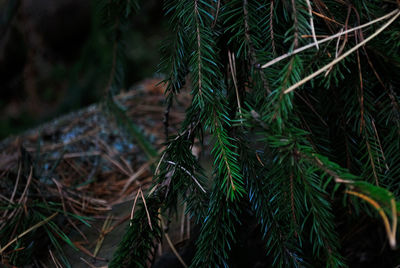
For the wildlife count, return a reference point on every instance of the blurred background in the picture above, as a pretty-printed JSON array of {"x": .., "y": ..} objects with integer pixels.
[{"x": 55, "y": 57}]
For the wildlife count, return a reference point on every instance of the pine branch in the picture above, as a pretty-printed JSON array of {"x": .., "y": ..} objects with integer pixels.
[
  {"x": 138, "y": 244},
  {"x": 217, "y": 231}
]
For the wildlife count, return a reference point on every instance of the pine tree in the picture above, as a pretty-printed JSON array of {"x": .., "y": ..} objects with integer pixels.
[{"x": 300, "y": 98}]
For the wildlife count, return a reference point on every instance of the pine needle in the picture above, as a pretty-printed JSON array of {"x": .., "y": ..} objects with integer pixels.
[
  {"x": 390, "y": 229},
  {"x": 37, "y": 225}
]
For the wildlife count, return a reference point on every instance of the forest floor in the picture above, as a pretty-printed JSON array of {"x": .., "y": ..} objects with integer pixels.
[{"x": 78, "y": 169}]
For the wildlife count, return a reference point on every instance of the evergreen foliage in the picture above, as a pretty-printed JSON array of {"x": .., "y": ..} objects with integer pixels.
[{"x": 288, "y": 149}]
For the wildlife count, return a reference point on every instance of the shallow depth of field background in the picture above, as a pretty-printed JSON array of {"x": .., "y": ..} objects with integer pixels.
[{"x": 55, "y": 57}]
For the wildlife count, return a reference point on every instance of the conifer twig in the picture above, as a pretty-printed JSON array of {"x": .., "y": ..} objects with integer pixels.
[{"x": 311, "y": 76}]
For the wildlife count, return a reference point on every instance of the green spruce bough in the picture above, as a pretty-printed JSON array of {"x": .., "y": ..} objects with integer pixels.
[{"x": 300, "y": 99}]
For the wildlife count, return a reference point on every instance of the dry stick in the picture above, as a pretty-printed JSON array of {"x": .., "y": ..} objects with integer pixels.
[
  {"x": 216, "y": 14},
  {"x": 6, "y": 199},
  {"x": 187, "y": 172},
  {"x": 232, "y": 66},
  {"x": 37, "y": 225},
  {"x": 312, "y": 24},
  {"x": 340, "y": 50},
  {"x": 171, "y": 245},
  {"x": 54, "y": 259},
  {"x": 145, "y": 207},
  {"x": 105, "y": 227},
  {"x": 311, "y": 76},
  {"x": 337, "y": 50},
  {"x": 136, "y": 175},
  {"x": 325, "y": 18},
  {"x": 133, "y": 208},
  {"x": 278, "y": 59}
]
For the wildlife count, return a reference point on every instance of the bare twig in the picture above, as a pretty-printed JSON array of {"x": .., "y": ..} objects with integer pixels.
[
  {"x": 171, "y": 245},
  {"x": 145, "y": 207},
  {"x": 312, "y": 23},
  {"x": 232, "y": 66},
  {"x": 133, "y": 208},
  {"x": 187, "y": 172},
  {"x": 54, "y": 259},
  {"x": 104, "y": 231},
  {"x": 311, "y": 76},
  {"x": 278, "y": 59},
  {"x": 136, "y": 175}
]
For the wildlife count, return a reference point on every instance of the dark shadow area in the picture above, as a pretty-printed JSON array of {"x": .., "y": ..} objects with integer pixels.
[{"x": 56, "y": 56}]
